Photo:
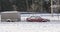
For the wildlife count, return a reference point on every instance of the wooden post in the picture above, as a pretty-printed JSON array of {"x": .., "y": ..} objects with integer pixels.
[
  {"x": 52, "y": 7},
  {"x": 27, "y": 5}
]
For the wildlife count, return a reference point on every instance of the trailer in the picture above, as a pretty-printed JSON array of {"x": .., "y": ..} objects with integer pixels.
[{"x": 10, "y": 16}]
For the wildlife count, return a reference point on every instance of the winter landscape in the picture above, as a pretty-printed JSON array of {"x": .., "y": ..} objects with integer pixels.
[
  {"x": 47, "y": 10},
  {"x": 23, "y": 26}
]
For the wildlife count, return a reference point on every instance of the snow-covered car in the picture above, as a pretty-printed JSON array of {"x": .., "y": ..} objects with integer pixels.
[{"x": 37, "y": 19}]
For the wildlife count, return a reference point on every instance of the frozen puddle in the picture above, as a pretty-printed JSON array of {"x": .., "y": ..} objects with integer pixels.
[{"x": 29, "y": 27}]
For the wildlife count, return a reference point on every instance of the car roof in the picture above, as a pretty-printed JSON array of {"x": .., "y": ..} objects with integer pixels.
[{"x": 35, "y": 16}]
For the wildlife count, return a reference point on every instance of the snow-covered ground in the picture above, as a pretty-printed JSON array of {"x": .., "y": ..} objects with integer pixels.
[{"x": 29, "y": 27}]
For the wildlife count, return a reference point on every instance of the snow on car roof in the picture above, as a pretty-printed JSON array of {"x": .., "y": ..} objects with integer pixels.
[{"x": 35, "y": 16}]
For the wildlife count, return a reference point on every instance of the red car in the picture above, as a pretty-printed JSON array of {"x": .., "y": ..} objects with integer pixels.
[{"x": 36, "y": 19}]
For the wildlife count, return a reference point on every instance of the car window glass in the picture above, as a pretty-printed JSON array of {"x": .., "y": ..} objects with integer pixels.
[{"x": 32, "y": 17}]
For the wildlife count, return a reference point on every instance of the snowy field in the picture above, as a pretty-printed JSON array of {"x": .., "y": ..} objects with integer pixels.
[
  {"x": 53, "y": 26},
  {"x": 29, "y": 27}
]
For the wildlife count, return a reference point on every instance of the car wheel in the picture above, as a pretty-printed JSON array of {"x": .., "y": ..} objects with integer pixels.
[{"x": 8, "y": 21}]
